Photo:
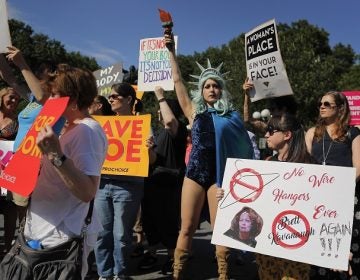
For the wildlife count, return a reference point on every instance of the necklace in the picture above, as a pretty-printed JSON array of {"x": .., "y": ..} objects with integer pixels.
[{"x": 323, "y": 149}]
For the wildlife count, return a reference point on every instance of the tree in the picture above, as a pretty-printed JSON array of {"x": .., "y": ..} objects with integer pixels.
[
  {"x": 313, "y": 67},
  {"x": 351, "y": 80}
]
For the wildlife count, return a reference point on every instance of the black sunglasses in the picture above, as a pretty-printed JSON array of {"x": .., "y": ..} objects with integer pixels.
[
  {"x": 114, "y": 96},
  {"x": 271, "y": 130},
  {"x": 326, "y": 104}
]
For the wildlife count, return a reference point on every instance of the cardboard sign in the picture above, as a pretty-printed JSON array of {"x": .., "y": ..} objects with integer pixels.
[
  {"x": 108, "y": 76},
  {"x": 353, "y": 98},
  {"x": 264, "y": 64},
  {"x": 127, "y": 152},
  {"x": 300, "y": 212},
  {"x": 154, "y": 65},
  {"x": 5, "y": 39},
  {"x": 20, "y": 174}
]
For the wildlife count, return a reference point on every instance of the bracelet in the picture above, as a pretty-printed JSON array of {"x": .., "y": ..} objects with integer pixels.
[{"x": 162, "y": 99}]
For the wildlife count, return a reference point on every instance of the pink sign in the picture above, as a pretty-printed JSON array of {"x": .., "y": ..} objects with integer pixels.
[{"x": 353, "y": 98}]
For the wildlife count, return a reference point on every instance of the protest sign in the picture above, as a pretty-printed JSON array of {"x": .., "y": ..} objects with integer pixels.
[
  {"x": 353, "y": 98},
  {"x": 108, "y": 76},
  {"x": 5, "y": 39},
  {"x": 127, "y": 152},
  {"x": 300, "y": 212},
  {"x": 21, "y": 173},
  {"x": 264, "y": 64},
  {"x": 154, "y": 65},
  {"x": 139, "y": 94},
  {"x": 6, "y": 153}
]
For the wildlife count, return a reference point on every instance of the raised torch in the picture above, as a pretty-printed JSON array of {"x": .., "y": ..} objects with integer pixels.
[{"x": 166, "y": 22}]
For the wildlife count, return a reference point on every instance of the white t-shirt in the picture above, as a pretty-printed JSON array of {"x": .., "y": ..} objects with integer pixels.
[{"x": 55, "y": 214}]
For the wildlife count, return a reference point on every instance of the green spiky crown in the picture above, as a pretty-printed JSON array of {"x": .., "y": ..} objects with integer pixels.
[{"x": 209, "y": 73}]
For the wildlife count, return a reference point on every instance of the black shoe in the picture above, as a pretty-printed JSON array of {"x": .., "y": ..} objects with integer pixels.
[
  {"x": 138, "y": 251},
  {"x": 148, "y": 261},
  {"x": 167, "y": 267}
]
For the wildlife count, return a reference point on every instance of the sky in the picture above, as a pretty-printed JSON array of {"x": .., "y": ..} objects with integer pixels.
[{"x": 110, "y": 30}]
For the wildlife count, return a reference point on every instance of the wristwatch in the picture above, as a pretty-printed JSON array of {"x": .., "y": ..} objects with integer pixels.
[{"x": 58, "y": 161}]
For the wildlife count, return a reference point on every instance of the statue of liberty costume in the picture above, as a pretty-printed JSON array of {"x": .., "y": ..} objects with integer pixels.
[{"x": 218, "y": 133}]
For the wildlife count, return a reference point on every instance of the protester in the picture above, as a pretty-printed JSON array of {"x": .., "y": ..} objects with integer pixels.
[
  {"x": 284, "y": 135},
  {"x": 36, "y": 98},
  {"x": 70, "y": 171},
  {"x": 9, "y": 101},
  {"x": 245, "y": 226},
  {"x": 217, "y": 133},
  {"x": 332, "y": 142},
  {"x": 118, "y": 201},
  {"x": 277, "y": 106},
  {"x": 100, "y": 106},
  {"x": 161, "y": 202}
]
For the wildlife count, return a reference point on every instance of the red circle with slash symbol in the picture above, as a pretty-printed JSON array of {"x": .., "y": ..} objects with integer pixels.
[
  {"x": 237, "y": 180},
  {"x": 298, "y": 234}
]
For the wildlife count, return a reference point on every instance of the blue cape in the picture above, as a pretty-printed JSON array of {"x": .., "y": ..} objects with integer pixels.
[{"x": 231, "y": 141}]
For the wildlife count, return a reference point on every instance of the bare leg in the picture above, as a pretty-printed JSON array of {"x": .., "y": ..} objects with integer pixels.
[
  {"x": 192, "y": 201},
  {"x": 222, "y": 253}
]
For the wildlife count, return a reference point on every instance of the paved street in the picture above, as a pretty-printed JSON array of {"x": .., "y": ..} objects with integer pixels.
[{"x": 202, "y": 266}]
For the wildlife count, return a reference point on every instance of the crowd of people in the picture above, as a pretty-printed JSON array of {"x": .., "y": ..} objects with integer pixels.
[{"x": 186, "y": 168}]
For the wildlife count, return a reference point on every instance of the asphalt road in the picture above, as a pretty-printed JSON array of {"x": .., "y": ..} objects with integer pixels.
[{"x": 202, "y": 265}]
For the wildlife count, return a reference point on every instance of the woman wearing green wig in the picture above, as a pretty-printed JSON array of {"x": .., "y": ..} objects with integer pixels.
[{"x": 217, "y": 133}]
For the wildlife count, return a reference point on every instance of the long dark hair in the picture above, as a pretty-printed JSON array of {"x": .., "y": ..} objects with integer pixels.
[
  {"x": 342, "y": 121},
  {"x": 297, "y": 147},
  {"x": 106, "y": 107},
  {"x": 125, "y": 90}
]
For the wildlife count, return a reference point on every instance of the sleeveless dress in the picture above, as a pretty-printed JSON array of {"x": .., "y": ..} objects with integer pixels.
[{"x": 340, "y": 154}]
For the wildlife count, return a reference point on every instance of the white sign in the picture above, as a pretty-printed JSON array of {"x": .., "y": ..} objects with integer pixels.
[
  {"x": 154, "y": 65},
  {"x": 108, "y": 76},
  {"x": 300, "y": 212},
  {"x": 5, "y": 39},
  {"x": 264, "y": 64}
]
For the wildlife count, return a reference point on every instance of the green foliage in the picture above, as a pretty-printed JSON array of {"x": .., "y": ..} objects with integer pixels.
[
  {"x": 313, "y": 67},
  {"x": 351, "y": 80}
]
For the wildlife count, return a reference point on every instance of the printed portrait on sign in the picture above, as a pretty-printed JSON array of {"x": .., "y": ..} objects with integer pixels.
[{"x": 245, "y": 226}]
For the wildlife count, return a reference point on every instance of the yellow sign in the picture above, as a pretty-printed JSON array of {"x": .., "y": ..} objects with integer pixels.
[{"x": 127, "y": 153}]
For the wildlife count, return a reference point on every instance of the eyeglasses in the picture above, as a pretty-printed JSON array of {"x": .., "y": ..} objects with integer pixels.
[
  {"x": 114, "y": 96},
  {"x": 326, "y": 104},
  {"x": 271, "y": 130}
]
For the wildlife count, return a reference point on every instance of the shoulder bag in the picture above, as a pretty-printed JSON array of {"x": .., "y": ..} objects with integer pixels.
[{"x": 61, "y": 262}]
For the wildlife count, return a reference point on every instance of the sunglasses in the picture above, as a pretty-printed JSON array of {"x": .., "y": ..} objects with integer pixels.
[
  {"x": 326, "y": 104},
  {"x": 114, "y": 96},
  {"x": 271, "y": 130}
]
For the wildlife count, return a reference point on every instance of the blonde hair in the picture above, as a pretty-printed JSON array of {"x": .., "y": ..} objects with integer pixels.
[{"x": 5, "y": 91}]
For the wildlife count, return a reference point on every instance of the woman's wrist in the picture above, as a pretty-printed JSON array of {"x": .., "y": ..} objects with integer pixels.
[{"x": 162, "y": 99}]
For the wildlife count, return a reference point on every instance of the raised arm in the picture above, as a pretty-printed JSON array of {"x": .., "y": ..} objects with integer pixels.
[
  {"x": 7, "y": 75},
  {"x": 16, "y": 56},
  {"x": 247, "y": 86},
  {"x": 170, "y": 121},
  {"x": 180, "y": 89}
]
